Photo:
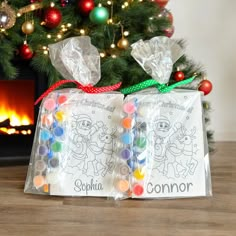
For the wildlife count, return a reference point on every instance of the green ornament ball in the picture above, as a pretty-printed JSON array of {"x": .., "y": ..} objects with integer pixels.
[{"x": 99, "y": 15}]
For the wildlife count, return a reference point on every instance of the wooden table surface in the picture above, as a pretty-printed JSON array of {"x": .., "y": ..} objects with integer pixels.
[{"x": 25, "y": 214}]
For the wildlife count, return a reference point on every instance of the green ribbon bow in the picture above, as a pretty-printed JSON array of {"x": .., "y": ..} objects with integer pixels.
[{"x": 163, "y": 88}]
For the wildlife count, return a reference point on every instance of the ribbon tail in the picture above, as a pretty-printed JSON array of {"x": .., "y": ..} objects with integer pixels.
[
  {"x": 180, "y": 83},
  {"x": 54, "y": 86},
  {"x": 138, "y": 87}
]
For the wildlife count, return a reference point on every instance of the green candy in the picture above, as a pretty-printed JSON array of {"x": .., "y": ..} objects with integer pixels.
[
  {"x": 56, "y": 147},
  {"x": 141, "y": 142}
]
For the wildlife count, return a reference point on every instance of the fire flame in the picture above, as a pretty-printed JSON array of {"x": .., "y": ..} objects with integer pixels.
[{"x": 16, "y": 109}]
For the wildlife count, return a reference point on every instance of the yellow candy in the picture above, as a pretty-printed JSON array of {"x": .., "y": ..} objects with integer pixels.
[
  {"x": 60, "y": 116},
  {"x": 139, "y": 174}
]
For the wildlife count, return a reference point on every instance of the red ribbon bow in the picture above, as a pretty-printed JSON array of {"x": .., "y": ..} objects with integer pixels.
[{"x": 86, "y": 89}]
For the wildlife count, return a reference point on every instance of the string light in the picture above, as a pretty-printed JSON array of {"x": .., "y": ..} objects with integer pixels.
[
  {"x": 113, "y": 45},
  {"x": 82, "y": 31},
  {"x": 52, "y": 4},
  {"x": 109, "y": 21},
  {"x": 126, "y": 33},
  {"x": 113, "y": 56},
  {"x": 102, "y": 54},
  {"x": 59, "y": 36},
  {"x": 49, "y": 36}
]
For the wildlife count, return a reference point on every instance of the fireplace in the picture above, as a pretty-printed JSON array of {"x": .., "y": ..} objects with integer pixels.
[{"x": 18, "y": 115}]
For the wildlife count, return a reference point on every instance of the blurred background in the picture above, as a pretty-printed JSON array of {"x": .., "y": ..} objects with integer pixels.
[{"x": 210, "y": 34}]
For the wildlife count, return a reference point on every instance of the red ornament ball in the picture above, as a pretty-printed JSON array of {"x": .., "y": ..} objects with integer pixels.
[
  {"x": 169, "y": 31},
  {"x": 25, "y": 52},
  {"x": 162, "y": 3},
  {"x": 178, "y": 76},
  {"x": 52, "y": 17},
  {"x": 169, "y": 16},
  {"x": 205, "y": 86},
  {"x": 85, "y": 6}
]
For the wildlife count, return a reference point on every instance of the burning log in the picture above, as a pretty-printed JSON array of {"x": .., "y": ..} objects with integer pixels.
[
  {"x": 5, "y": 123},
  {"x": 7, "y": 128}
]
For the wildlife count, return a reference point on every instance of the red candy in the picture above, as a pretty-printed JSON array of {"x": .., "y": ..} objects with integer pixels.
[
  {"x": 138, "y": 189},
  {"x": 62, "y": 99}
]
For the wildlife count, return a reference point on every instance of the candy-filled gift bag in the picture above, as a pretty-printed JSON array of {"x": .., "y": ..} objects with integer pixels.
[
  {"x": 168, "y": 155},
  {"x": 73, "y": 153},
  {"x": 165, "y": 150}
]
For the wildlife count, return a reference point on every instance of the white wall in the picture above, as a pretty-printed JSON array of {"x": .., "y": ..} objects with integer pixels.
[{"x": 209, "y": 29}]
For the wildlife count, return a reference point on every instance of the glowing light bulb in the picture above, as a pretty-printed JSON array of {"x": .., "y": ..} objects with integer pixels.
[
  {"x": 113, "y": 45},
  {"x": 109, "y": 21},
  {"x": 49, "y": 36},
  {"x": 102, "y": 54},
  {"x": 126, "y": 33},
  {"x": 52, "y": 4},
  {"x": 82, "y": 31}
]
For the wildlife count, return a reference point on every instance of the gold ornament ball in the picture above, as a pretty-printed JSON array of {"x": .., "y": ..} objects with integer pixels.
[
  {"x": 27, "y": 27},
  {"x": 123, "y": 43}
]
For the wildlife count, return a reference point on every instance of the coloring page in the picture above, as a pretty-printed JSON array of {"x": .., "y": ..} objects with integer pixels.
[
  {"x": 175, "y": 164},
  {"x": 88, "y": 159}
]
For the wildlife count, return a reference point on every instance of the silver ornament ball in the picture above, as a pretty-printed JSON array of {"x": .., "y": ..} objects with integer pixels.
[{"x": 4, "y": 19}]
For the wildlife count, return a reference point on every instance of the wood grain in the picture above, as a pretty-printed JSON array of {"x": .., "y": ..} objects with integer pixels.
[{"x": 26, "y": 215}]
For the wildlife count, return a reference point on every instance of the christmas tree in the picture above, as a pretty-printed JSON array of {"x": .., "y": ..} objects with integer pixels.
[{"x": 27, "y": 27}]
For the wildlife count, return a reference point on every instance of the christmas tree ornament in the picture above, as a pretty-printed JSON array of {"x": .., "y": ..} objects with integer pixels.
[
  {"x": 64, "y": 3},
  {"x": 85, "y": 6},
  {"x": 178, "y": 76},
  {"x": 123, "y": 43},
  {"x": 52, "y": 17},
  {"x": 205, "y": 86},
  {"x": 7, "y": 16},
  {"x": 36, "y": 5},
  {"x": 168, "y": 32},
  {"x": 99, "y": 15},
  {"x": 27, "y": 27},
  {"x": 167, "y": 15},
  {"x": 25, "y": 51},
  {"x": 161, "y": 3}
]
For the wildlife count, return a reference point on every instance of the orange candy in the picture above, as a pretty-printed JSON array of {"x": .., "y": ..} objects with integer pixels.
[
  {"x": 127, "y": 123},
  {"x": 46, "y": 188},
  {"x": 47, "y": 120},
  {"x": 122, "y": 185},
  {"x": 38, "y": 181}
]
